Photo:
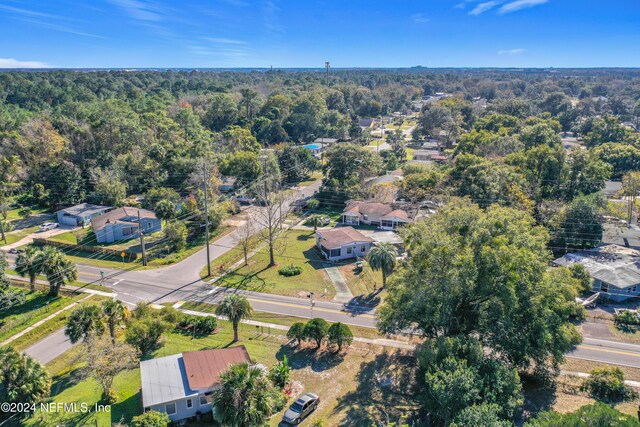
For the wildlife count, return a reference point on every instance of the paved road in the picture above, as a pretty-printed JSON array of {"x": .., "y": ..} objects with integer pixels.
[
  {"x": 606, "y": 351},
  {"x": 50, "y": 347}
]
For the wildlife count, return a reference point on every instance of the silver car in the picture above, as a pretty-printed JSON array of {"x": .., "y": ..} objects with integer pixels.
[{"x": 301, "y": 408}]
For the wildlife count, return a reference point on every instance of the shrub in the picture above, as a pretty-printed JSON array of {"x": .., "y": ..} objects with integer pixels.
[
  {"x": 340, "y": 335},
  {"x": 280, "y": 372},
  {"x": 145, "y": 334},
  {"x": 151, "y": 419},
  {"x": 626, "y": 319},
  {"x": 198, "y": 325},
  {"x": 296, "y": 332},
  {"x": 171, "y": 315},
  {"x": 608, "y": 384},
  {"x": 290, "y": 270},
  {"x": 597, "y": 414}
]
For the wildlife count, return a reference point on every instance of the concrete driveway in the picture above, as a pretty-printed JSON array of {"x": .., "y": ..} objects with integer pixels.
[{"x": 27, "y": 240}]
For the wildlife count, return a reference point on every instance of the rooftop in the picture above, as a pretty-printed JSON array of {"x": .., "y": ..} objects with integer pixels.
[
  {"x": 85, "y": 209},
  {"x": 205, "y": 366},
  {"x": 117, "y": 216},
  {"x": 616, "y": 265},
  {"x": 337, "y": 237},
  {"x": 164, "y": 380}
]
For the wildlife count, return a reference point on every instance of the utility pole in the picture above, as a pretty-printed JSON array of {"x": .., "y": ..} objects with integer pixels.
[
  {"x": 206, "y": 217},
  {"x": 327, "y": 65},
  {"x": 140, "y": 232}
]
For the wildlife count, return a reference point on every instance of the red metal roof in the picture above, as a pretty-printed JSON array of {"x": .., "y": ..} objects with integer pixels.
[{"x": 204, "y": 367}]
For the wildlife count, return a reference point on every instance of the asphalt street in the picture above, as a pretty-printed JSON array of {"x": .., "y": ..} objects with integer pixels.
[
  {"x": 606, "y": 351},
  {"x": 181, "y": 282}
]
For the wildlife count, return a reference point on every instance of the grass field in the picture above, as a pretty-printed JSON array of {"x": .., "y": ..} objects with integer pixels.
[
  {"x": 51, "y": 325},
  {"x": 37, "y": 306},
  {"x": 294, "y": 247},
  {"x": 158, "y": 256},
  {"x": 14, "y": 236},
  {"x": 346, "y": 381}
]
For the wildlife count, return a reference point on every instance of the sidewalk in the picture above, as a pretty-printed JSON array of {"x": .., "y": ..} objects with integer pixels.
[
  {"x": 382, "y": 342},
  {"x": 66, "y": 287},
  {"x": 40, "y": 322}
]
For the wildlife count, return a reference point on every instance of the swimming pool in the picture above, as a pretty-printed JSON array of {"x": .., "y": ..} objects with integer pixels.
[{"x": 313, "y": 146}]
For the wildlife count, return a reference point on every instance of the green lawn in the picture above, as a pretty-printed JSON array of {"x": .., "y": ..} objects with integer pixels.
[
  {"x": 35, "y": 210},
  {"x": 14, "y": 236},
  {"x": 37, "y": 306},
  {"x": 278, "y": 319},
  {"x": 294, "y": 247},
  {"x": 158, "y": 255},
  {"x": 50, "y": 325}
]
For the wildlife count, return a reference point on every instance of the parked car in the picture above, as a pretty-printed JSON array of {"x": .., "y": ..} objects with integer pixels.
[
  {"x": 243, "y": 199},
  {"x": 48, "y": 226},
  {"x": 16, "y": 251},
  {"x": 301, "y": 408}
]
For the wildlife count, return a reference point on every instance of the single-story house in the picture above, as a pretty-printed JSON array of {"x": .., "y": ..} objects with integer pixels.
[
  {"x": 383, "y": 188},
  {"x": 424, "y": 155},
  {"x": 343, "y": 243},
  {"x": 615, "y": 270},
  {"x": 325, "y": 141},
  {"x": 382, "y": 215},
  {"x": 181, "y": 385},
  {"x": 80, "y": 214},
  {"x": 366, "y": 123},
  {"x": 612, "y": 189},
  {"x": 124, "y": 223}
]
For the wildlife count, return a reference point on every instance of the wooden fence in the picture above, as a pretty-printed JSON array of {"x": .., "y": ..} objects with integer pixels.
[{"x": 129, "y": 256}]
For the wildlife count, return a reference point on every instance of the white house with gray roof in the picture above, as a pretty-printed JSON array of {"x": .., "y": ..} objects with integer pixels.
[
  {"x": 615, "y": 270},
  {"x": 181, "y": 385},
  {"x": 80, "y": 214}
]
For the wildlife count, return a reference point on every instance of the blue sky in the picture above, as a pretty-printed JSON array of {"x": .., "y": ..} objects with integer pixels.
[{"x": 305, "y": 33}]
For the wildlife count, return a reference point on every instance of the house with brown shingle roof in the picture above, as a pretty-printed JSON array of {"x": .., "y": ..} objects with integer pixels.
[
  {"x": 382, "y": 215},
  {"x": 181, "y": 385},
  {"x": 343, "y": 243},
  {"x": 124, "y": 223}
]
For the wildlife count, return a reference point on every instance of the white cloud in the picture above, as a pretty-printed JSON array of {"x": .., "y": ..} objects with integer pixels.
[
  {"x": 14, "y": 63},
  {"x": 222, "y": 40},
  {"x": 140, "y": 10},
  {"x": 420, "y": 18},
  {"x": 519, "y": 5},
  {"x": 518, "y": 51},
  {"x": 483, "y": 7}
]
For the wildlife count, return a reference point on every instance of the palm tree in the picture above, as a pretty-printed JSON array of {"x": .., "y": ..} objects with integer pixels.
[
  {"x": 383, "y": 257},
  {"x": 316, "y": 221},
  {"x": 116, "y": 313},
  {"x": 83, "y": 322},
  {"x": 58, "y": 269},
  {"x": 235, "y": 307},
  {"x": 29, "y": 263},
  {"x": 22, "y": 379},
  {"x": 246, "y": 398}
]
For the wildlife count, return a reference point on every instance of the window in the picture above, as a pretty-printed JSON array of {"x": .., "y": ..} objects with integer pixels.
[
  {"x": 363, "y": 248},
  {"x": 189, "y": 403},
  {"x": 631, "y": 289},
  {"x": 170, "y": 408},
  {"x": 349, "y": 250},
  {"x": 203, "y": 400},
  {"x": 604, "y": 287}
]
